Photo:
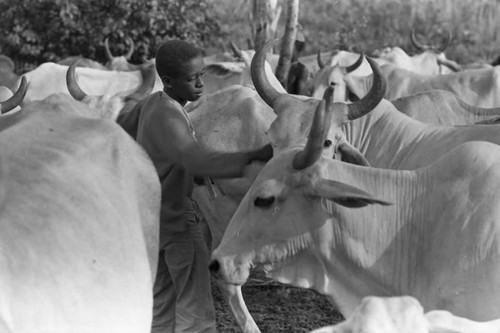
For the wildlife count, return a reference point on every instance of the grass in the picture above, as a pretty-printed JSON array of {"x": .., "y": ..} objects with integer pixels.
[{"x": 374, "y": 24}]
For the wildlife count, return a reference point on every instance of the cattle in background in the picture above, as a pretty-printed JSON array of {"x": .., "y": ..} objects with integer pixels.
[
  {"x": 82, "y": 62},
  {"x": 441, "y": 107},
  {"x": 112, "y": 104},
  {"x": 80, "y": 219},
  {"x": 120, "y": 63},
  {"x": 431, "y": 61},
  {"x": 404, "y": 314},
  {"x": 220, "y": 75},
  {"x": 350, "y": 231},
  {"x": 331, "y": 76},
  {"x": 372, "y": 131},
  {"x": 479, "y": 87},
  {"x": 49, "y": 78},
  {"x": 345, "y": 63}
]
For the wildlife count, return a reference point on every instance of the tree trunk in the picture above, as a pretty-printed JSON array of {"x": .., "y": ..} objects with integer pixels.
[
  {"x": 287, "y": 44},
  {"x": 260, "y": 20}
]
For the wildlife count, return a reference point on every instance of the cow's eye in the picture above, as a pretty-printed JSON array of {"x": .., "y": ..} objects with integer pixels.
[
  {"x": 263, "y": 202},
  {"x": 327, "y": 143}
]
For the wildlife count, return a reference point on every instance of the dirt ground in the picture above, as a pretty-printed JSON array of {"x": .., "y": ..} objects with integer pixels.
[{"x": 278, "y": 308}]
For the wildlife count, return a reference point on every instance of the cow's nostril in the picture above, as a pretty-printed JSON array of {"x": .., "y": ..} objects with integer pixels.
[{"x": 214, "y": 266}]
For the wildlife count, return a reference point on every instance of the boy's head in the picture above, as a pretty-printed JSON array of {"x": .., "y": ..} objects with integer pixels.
[{"x": 180, "y": 67}]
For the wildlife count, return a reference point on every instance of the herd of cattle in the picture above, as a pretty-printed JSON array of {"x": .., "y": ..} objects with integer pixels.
[{"x": 383, "y": 192}]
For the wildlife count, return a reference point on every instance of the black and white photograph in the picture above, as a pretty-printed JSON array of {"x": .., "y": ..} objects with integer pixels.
[{"x": 249, "y": 166}]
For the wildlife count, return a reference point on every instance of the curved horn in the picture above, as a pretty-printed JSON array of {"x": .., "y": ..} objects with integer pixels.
[
  {"x": 148, "y": 81},
  {"x": 352, "y": 155},
  {"x": 317, "y": 134},
  {"x": 416, "y": 44},
  {"x": 374, "y": 96},
  {"x": 321, "y": 64},
  {"x": 130, "y": 42},
  {"x": 236, "y": 50},
  {"x": 15, "y": 99},
  {"x": 353, "y": 67},
  {"x": 453, "y": 66},
  {"x": 73, "y": 87},
  {"x": 257, "y": 70},
  {"x": 446, "y": 43},
  {"x": 109, "y": 55}
]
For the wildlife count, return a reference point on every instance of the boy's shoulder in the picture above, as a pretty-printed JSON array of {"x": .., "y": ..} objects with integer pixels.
[{"x": 160, "y": 102}]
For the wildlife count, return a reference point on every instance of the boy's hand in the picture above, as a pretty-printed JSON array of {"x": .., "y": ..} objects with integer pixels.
[{"x": 263, "y": 154}]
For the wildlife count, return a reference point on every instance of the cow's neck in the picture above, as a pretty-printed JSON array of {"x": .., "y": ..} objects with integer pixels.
[
  {"x": 369, "y": 250},
  {"x": 392, "y": 140},
  {"x": 384, "y": 136},
  {"x": 374, "y": 247}
]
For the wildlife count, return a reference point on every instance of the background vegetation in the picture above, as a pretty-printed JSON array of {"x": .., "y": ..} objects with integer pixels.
[
  {"x": 374, "y": 24},
  {"x": 36, "y": 31}
]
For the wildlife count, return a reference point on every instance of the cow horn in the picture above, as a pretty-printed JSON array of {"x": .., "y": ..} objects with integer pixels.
[
  {"x": 130, "y": 42},
  {"x": 236, "y": 50},
  {"x": 73, "y": 87},
  {"x": 148, "y": 81},
  {"x": 317, "y": 134},
  {"x": 16, "y": 99},
  {"x": 416, "y": 44},
  {"x": 321, "y": 64},
  {"x": 374, "y": 96},
  {"x": 109, "y": 55},
  {"x": 353, "y": 67},
  {"x": 257, "y": 70},
  {"x": 453, "y": 66},
  {"x": 352, "y": 155},
  {"x": 446, "y": 42}
]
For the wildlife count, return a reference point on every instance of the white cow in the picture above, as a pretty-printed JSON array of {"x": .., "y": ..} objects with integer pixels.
[
  {"x": 404, "y": 314},
  {"x": 220, "y": 75},
  {"x": 441, "y": 107},
  {"x": 49, "y": 78},
  {"x": 344, "y": 62},
  {"x": 479, "y": 87},
  {"x": 120, "y": 63},
  {"x": 373, "y": 126},
  {"x": 79, "y": 222},
  {"x": 350, "y": 231}
]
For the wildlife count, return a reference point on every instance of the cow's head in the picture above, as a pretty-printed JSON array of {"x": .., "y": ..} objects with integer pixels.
[
  {"x": 432, "y": 60},
  {"x": 280, "y": 216},
  {"x": 110, "y": 106},
  {"x": 333, "y": 75},
  {"x": 295, "y": 112},
  {"x": 10, "y": 101},
  {"x": 120, "y": 63},
  {"x": 219, "y": 75}
]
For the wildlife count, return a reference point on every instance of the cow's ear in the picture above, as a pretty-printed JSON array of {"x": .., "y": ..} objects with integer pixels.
[
  {"x": 344, "y": 194},
  {"x": 349, "y": 154}
]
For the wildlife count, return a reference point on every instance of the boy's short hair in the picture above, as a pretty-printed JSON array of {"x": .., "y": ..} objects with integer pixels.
[{"x": 172, "y": 55}]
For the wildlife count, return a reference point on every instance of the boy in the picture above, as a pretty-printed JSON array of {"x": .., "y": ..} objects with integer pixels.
[{"x": 182, "y": 291}]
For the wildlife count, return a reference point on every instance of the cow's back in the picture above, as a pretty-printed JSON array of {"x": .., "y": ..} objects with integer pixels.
[{"x": 79, "y": 226}]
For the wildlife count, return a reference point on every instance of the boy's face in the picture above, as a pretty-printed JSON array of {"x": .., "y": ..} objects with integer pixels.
[{"x": 188, "y": 84}]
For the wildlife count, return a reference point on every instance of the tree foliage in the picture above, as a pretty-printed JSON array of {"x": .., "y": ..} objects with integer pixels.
[{"x": 36, "y": 31}]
